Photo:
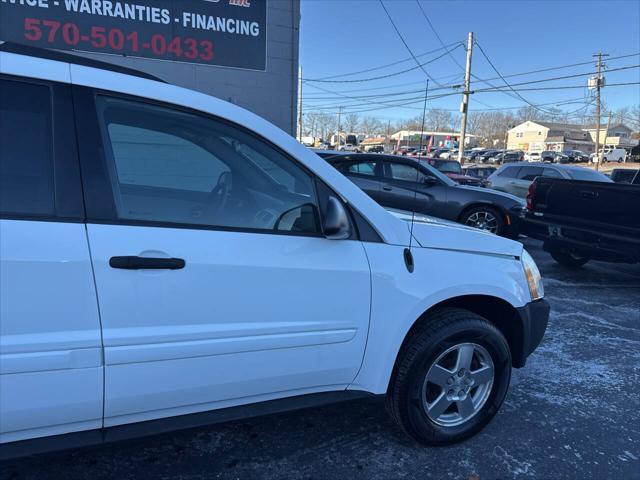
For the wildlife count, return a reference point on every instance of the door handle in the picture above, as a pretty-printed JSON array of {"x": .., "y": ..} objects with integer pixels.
[
  {"x": 146, "y": 263},
  {"x": 387, "y": 188}
]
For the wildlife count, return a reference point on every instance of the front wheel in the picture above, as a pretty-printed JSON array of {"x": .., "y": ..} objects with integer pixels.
[
  {"x": 484, "y": 218},
  {"x": 568, "y": 259},
  {"x": 451, "y": 379}
]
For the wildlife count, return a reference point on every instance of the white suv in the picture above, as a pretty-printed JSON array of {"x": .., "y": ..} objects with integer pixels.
[{"x": 165, "y": 254}]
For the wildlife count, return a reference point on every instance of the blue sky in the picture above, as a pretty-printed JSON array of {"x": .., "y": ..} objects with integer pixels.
[{"x": 343, "y": 36}]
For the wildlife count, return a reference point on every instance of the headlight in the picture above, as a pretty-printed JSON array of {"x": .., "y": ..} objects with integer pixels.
[{"x": 533, "y": 276}]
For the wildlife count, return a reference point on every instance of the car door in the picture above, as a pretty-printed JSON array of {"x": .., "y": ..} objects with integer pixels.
[
  {"x": 406, "y": 188},
  {"x": 364, "y": 172},
  {"x": 216, "y": 285},
  {"x": 50, "y": 349}
]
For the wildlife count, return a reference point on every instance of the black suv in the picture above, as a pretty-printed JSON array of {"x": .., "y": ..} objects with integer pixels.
[{"x": 410, "y": 184}]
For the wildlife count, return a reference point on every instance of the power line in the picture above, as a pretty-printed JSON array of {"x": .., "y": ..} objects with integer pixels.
[
  {"x": 488, "y": 90},
  {"x": 409, "y": 92},
  {"x": 406, "y": 45},
  {"x": 370, "y": 79},
  {"x": 372, "y": 69},
  {"x": 426, "y": 17},
  {"x": 504, "y": 80}
]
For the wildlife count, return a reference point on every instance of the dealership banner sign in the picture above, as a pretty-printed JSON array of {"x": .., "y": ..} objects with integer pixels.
[{"x": 228, "y": 33}]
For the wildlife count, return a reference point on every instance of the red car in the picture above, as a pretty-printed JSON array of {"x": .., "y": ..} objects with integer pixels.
[{"x": 453, "y": 170}]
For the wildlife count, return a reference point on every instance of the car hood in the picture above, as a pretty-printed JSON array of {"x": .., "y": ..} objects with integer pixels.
[
  {"x": 436, "y": 233},
  {"x": 493, "y": 192},
  {"x": 462, "y": 178}
]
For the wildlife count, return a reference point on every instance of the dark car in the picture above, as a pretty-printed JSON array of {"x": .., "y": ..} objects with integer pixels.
[
  {"x": 411, "y": 184},
  {"x": 576, "y": 156},
  {"x": 453, "y": 170},
  {"x": 625, "y": 175},
  {"x": 486, "y": 155},
  {"x": 506, "y": 157},
  {"x": 375, "y": 149}
]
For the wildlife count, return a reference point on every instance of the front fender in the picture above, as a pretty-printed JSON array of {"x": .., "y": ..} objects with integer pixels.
[{"x": 399, "y": 298}]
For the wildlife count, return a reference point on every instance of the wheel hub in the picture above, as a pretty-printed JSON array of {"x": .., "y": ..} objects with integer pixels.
[{"x": 459, "y": 385}]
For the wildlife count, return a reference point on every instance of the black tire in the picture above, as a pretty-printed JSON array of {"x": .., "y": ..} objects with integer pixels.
[
  {"x": 568, "y": 259},
  {"x": 467, "y": 215},
  {"x": 439, "y": 332}
]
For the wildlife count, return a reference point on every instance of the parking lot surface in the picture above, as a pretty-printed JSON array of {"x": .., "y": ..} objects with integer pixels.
[{"x": 572, "y": 412}]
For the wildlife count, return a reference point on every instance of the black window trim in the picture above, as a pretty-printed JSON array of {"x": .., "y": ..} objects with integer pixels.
[
  {"x": 67, "y": 185},
  {"x": 93, "y": 166}
]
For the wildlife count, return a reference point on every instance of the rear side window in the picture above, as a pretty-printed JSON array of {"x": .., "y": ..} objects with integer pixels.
[
  {"x": 510, "y": 172},
  {"x": 551, "y": 173},
  {"x": 362, "y": 168},
  {"x": 529, "y": 173},
  {"x": 26, "y": 150}
]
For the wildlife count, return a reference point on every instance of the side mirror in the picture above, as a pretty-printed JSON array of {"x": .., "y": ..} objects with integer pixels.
[
  {"x": 430, "y": 180},
  {"x": 336, "y": 223}
]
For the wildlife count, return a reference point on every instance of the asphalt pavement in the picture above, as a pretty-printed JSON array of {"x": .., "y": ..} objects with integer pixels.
[{"x": 572, "y": 412}]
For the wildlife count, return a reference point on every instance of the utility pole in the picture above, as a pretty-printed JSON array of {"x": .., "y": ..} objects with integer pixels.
[
  {"x": 300, "y": 105},
  {"x": 604, "y": 144},
  {"x": 464, "y": 107},
  {"x": 337, "y": 147},
  {"x": 598, "y": 87}
]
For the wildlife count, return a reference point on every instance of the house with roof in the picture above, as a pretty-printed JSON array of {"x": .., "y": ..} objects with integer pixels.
[{"x": 537, "y": 136}]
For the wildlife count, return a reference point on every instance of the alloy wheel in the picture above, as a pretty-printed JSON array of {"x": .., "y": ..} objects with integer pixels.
[
  {"x": 483, "y": 220},
  {"x": 458, "y": 384}
]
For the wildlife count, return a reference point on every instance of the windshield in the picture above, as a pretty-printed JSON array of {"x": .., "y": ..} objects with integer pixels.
[
  {"x": 588, "y": 175},
  {"x": 447, "y": 167}
]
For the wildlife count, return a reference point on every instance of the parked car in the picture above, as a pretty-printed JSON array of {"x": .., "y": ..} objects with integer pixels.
[
  {"x": 486, "y": 155},
  {"x": 453, "y": 170},
  {"x": 409, "y": 184},
  {"x": 515, "y": 178},
  {"x": 349, "y": 147},
  {"x": 480, "y": 172},
  {"x": 625, "y": 175},
  {"x": 551, "y": 156},
  {"x": 618, "y": 155},
  {"x": 207, "y": 236},
  {"x": 450, "y": 155},
  {"x": 435, "y": 153},
  {"x": 505, "y": 157},
  {"x": 576, "y": 156},
  {"x": 580, "y": 221},
  {"x": 614, "y": 155},
  {"x": 406, "y": 150},
  {"x": 532, "y": 156},
  {"x": 375, "y": 149},
  {"x": 473, "y": 156}
]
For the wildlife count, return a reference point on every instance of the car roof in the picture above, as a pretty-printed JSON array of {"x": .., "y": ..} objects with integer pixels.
[
  {"x": 55, "y": 55},
  {"x": 545, "y": 165}
]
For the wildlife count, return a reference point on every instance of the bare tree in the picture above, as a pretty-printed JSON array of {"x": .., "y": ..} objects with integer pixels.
[
  {"x": 351, "y": 122},
  {"x": 372, "y": 126}
]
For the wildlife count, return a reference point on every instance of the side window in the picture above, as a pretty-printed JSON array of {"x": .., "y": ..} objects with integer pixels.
[
  {"x": 401, "y": 171},
  {"x": 362, "y": 168},
  {"x": 510, "y": 172},
  {"x": 172, "y": 167},
  {"x": 529, "y": 173},
  {"x": 26, "y": 150},
  {"x": 551, "y": 173}
]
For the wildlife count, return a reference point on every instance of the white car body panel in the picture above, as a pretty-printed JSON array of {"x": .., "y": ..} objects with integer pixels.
[
  {"x": 322, "y": 315},
  {"x": 250, "y": 314},
  {"x": 399, "y": 298},
  {"x": 50, "y": 346}
]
